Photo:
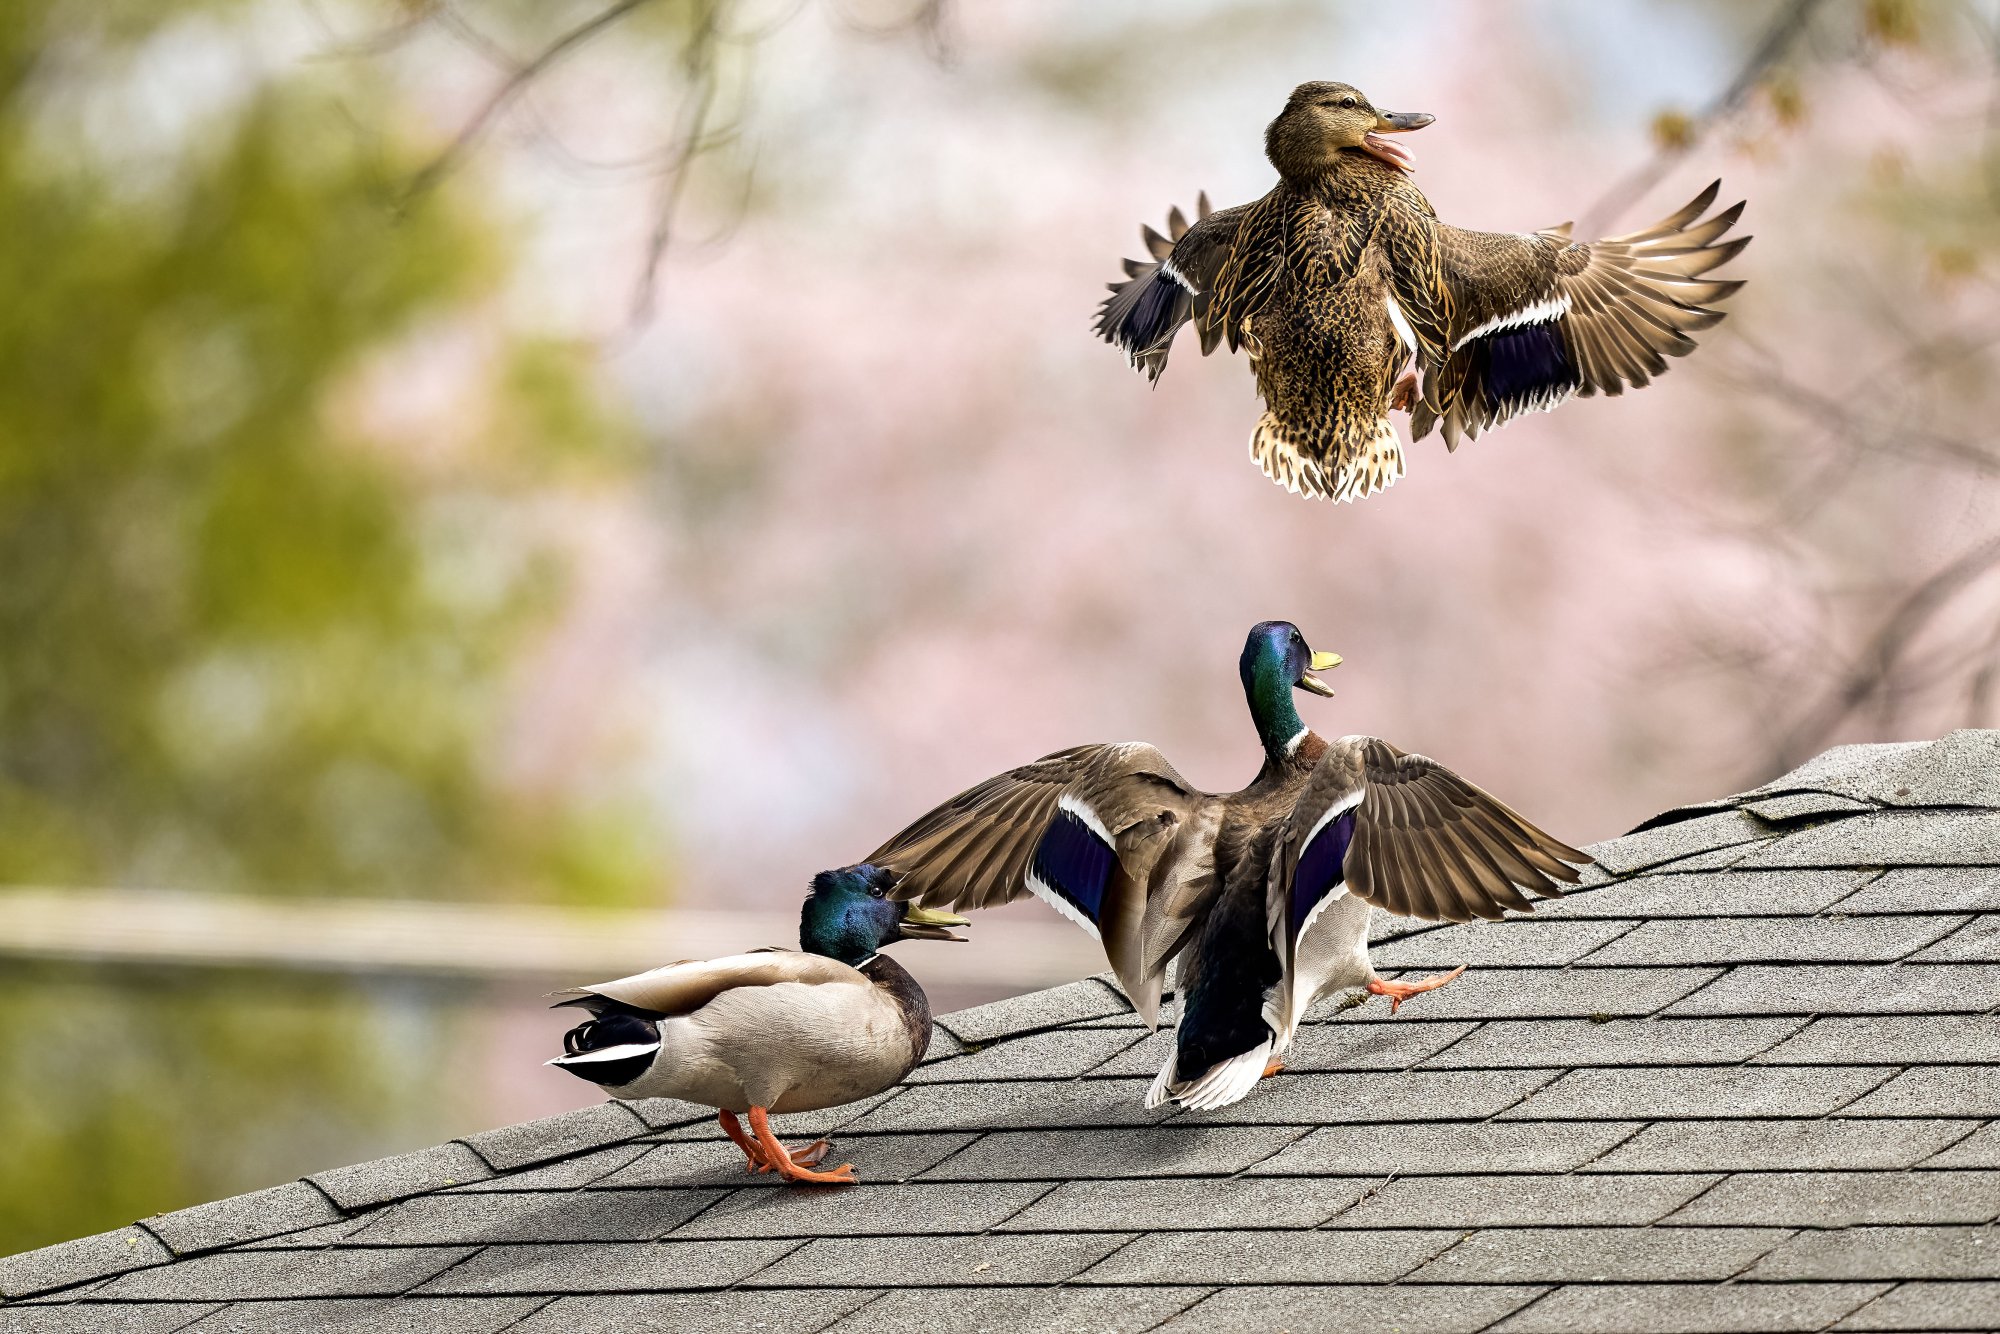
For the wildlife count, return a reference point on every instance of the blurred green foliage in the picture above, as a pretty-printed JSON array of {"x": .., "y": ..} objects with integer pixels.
[
  {"x": 125, "y": 1095},
  {"x": 243, "y": 644},
  {"x": 248, "y": 640}
]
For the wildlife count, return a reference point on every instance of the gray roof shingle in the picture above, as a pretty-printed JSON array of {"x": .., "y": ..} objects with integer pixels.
[{"x": 1743, "y": 1079}]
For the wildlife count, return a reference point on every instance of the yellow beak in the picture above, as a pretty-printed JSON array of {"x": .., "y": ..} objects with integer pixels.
[
  {"x": 1321, "y": 662},
  {"x": 929, "y": 924}
]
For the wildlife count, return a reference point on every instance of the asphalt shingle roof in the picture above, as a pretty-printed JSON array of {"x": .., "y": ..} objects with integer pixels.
[{"x": 1742, "y": 1080}]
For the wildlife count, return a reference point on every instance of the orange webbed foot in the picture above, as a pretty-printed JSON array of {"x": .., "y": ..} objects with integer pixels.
[
  {"x": 800, "y": 1168},
  {"x": 839, "y": 1176},
  {"x": 1398, "y": 992},
  {"x": 809, "y": 1155},
  {"x": 1272, "y": 1069}
]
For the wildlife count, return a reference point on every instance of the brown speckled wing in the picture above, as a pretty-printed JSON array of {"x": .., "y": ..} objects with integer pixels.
[
  {"x": 1250, "y": 274},
  {"x": 1536, "y": 317},
  {"x": 1408, "y": 236},
  {"x": 1144, "y": 312},
  {"x": 1109, "y": 835},
  {"x": 1427, "y": 843}
]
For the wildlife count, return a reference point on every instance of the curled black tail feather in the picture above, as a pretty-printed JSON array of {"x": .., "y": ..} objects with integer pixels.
[{"x": 612, "y": 1030}]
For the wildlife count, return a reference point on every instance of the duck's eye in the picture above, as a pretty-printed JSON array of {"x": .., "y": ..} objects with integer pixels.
[
  {"x": 877, "y": 891},
  {"x": 1348, "y": 102}
]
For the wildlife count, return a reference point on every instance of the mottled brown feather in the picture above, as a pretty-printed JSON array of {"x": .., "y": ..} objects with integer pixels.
[{"x": 1426, "y": 842}]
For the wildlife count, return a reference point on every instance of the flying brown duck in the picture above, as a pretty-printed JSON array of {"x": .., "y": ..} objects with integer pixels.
[
  {"x": 1263, "y": 894},
  {"x": 1343, "y": 271}
]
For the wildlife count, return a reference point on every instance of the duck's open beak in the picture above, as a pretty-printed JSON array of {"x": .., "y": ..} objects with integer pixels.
[
  {"x": 1322, "y": 662},
  {"x": 927, "y": 924},
  {"x": 1393, "y": 122}
]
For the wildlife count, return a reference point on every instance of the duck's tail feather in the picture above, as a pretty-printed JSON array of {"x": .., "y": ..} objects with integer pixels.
[
  {"x": 1355, "y": 471},
  {"x": 610, "y": 1050},
  {"x": 1221, "y": 1084}
]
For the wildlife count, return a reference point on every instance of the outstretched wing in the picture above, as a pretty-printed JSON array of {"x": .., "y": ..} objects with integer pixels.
[
  {"x": 682, "y": 988},
  {"x": 1109, "y": 835},
  {"x": 1427, "y": 843},
  {"x": 1144, "y": 312},
  {"x": 1513, "y": 322},
  {"x": 1407, "y": 834}
]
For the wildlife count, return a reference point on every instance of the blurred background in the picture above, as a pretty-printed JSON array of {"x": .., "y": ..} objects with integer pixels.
[{"x": 498, "y": 492}]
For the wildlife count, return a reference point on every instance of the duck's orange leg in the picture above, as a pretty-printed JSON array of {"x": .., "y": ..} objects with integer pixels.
[
  {"x": 1272, "y": 1069},
  {"x": 734, "y": 1129},
  {"x": 785, "y": 1165},
  {"x": 807, "y": 1155},
  {"x": 1398, "y": 992}
]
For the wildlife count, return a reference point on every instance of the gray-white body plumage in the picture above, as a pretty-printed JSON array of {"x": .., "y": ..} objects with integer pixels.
[{"x": 778, "y": 1029}]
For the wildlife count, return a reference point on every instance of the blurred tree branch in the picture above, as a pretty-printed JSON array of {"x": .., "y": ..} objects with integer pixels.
[
  {"x": 697, "y": 105},
  {"x": 1778, "y": 39},
  {"x": 1874, "y": 671},
  {"x": 1843, "y": 419},
  {"x": 1879, "y": 631},
  {"x": 702, "y": 124},
  {"x": 244, "y": 643},
  {"x": 512, "y": 87}
]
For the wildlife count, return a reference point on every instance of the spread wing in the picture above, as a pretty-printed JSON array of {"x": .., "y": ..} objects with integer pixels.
[
  {"x": 683, "y": 988},
  {"x": 1144, "y": 312},
  {"x": 1406, "y": 834},
  {"x": 1109, "y": 835},
  {"x": 1513, "y": 322}
]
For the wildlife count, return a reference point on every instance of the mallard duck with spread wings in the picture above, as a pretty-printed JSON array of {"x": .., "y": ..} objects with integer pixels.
[
  {"x": 1342, "y": 273},
  {"x": 1262, "y": 894},
  {"x": 772, "y": 1030}
]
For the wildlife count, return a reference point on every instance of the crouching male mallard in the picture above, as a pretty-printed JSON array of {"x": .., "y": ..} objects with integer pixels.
[
  {"x": 1340, "y": 273},
  {"x": 1263, "y": 894},
  {"x": 773, "y": 1030}
]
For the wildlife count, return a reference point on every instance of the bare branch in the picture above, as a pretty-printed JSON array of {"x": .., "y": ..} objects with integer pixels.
[
  {"x": 375, "y": 43},
  {"x": 1876, "y": 666},
  {"x": 1840, "y": 420},
  {"x": 1777, "y": 40},
  {"x": 511, "y": 88},
  {"x": 927, "y": 18},
  {"x": 699, "y": 65},
  {"x": 1979, "y": 691}
]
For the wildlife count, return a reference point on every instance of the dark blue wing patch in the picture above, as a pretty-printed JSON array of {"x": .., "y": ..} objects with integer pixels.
[
  {"x": 1075, "y": 864},
  {"x": 1156, "y": 315},
  {"x": 1525, "y": 367},
  {"x": 1321, "y": 869}
]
